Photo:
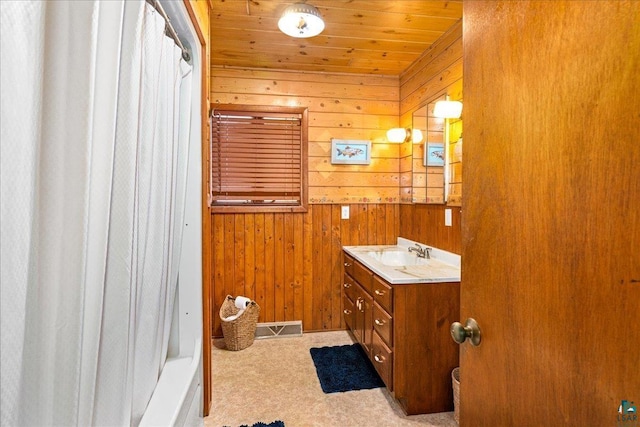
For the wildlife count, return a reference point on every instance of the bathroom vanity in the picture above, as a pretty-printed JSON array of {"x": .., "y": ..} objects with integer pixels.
[{"x": 399, "y": 308}]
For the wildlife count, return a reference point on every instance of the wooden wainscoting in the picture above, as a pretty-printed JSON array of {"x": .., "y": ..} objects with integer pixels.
[
  {"x": 425, "y": 223},
  {"x": 291, "y": 263}
]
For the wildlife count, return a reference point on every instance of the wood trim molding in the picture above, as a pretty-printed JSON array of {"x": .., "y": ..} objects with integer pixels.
[{"x": 206, "y": 218}]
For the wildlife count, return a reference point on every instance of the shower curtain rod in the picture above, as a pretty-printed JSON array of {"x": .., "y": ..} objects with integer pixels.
[{"x": 169, "y": 28}]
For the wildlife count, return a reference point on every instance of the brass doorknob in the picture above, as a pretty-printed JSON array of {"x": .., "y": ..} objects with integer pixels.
[{"x": 470, "y": 330}]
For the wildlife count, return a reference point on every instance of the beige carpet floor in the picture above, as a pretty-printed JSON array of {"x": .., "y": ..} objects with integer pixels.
[{"x": 275, "y": 379}]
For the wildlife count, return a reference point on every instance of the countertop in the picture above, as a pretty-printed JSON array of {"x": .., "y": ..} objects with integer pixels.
[{"x": 442, "y": 267}]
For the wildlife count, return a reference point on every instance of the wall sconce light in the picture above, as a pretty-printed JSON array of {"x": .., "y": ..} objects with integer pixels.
[
  {"x": 416, "y": 136},
  {"x": 400, "y": 135},
  {"x": 448, "y": 109},
  {"x": 301, "y": 20}
]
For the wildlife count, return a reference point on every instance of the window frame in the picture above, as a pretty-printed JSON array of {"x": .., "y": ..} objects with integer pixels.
[{"x": 304, "y": 144}]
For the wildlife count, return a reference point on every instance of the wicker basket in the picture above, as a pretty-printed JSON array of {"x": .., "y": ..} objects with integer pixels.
[
  {"x": 238, "y": 333},
  {"x": 455, "y": 376}
]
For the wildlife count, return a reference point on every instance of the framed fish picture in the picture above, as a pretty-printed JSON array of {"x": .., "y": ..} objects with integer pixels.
[
  {"x": 434, "y": 154},
  {"x": 350, "y": 152}
]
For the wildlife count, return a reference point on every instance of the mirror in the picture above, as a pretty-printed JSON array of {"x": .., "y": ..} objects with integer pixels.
[
  {"x": 453, "y": 180},
  {"x": 437, "y": 159}
]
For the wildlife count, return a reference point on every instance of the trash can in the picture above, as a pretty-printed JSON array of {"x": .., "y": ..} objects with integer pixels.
[
  {"x": 455, "y": 376},
  {"x": 238, "y": 329}
]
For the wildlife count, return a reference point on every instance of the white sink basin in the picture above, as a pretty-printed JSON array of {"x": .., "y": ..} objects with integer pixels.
[
  {"x": 396, "y": 265},
  {"x": 395, "y": 258}
]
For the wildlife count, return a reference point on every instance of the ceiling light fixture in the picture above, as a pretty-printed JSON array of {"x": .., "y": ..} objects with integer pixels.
[{"x": 301, "y": 20}]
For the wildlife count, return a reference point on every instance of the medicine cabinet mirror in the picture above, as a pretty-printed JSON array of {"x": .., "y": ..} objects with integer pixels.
[{"x": 437, "y": 159}]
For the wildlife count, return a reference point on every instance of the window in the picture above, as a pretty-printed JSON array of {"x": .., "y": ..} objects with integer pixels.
[{"x": 258, "y": 159}]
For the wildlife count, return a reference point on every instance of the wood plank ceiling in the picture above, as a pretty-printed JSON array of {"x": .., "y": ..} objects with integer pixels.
[{"x": 360, "y": 36}]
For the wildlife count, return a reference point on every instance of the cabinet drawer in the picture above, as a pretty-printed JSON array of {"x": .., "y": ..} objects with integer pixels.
[
  {"x": 348, "y": 311},
  {"x": 383, "y": 294},
  {"x": 362, "y": 275},
  {"x": 349, "y": 287},
  {"x": 382, "y": 359},
  {"x": 348, "y": 263},
  {"x": 383, "y": 324}
]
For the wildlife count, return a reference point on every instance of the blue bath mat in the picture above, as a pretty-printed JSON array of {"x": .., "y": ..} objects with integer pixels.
[
  {"x": 273, "y": 424},
  {"x": 261, "y": 424},
  {"x": 344, "y": 368}
]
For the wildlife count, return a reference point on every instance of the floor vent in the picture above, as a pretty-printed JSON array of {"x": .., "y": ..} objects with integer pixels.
[{"x": 279, "y": 329}]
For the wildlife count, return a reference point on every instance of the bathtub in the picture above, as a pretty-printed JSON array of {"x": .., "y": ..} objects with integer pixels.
[{"x": 177, "y": 398}]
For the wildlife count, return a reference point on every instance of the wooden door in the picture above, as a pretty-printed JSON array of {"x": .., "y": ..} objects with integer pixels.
[{"x": 551, "y": 212}]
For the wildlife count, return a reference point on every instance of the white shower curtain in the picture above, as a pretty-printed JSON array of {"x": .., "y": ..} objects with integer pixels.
[{"x": 92, "y": 173}]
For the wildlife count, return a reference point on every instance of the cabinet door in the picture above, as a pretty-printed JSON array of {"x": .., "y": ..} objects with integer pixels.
[
  {"x": 367, "y": 320},
  {"x": 358, "y": 315},
  {"x": 363, "y": 319}
]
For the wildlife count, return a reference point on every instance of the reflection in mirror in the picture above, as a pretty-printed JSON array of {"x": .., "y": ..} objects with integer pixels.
[
  {"x": 437, "y": 161},
  {"x": 454, "y": 163},
  {"x": 419, "y": 171},
  {"x": 429, "y": 156}
]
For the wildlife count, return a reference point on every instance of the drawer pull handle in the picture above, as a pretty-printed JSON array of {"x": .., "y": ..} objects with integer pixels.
[
  {"x": 346, "y": 264},
  {"x": 347, "y": 312},
  {"x": 379, "y": 322},
  {"x": 378, "y": 358},
  {"x": 347, "y": 285},
  {"x": 379, "y": 293}
]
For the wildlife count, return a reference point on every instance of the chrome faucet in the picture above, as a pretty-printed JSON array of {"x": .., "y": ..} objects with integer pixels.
[{"x": 421, "y": 252}]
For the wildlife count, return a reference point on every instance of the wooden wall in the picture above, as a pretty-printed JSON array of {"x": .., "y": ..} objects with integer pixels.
[
  {"x": 291, "y": 263},
  {"x": 340, "y": 106},
  {"x": 425, "y": 223},
  {"x": 436, "y": 73}
]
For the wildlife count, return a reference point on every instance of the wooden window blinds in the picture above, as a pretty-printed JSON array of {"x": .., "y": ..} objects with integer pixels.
[{"x": 258, "y": 158}]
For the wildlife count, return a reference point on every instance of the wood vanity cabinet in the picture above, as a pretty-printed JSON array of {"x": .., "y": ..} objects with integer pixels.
[{"x": 404, "y": 328}]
